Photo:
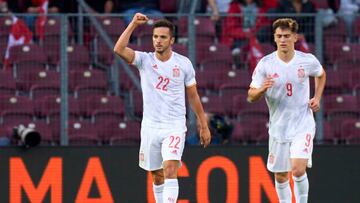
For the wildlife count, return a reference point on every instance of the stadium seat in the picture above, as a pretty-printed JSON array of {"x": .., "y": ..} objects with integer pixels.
[
  {"x": 12, "y": 116},
  {"x": 206, "y": 51},
  {"x": 203, "y": 81},
  {"x": 205, "y": 29},
  {"x": 213, "y": 104},
  {"x": 86, "y": 78},
  {"x": 124, "y": 79},
  {"x": 87, "y": 82},
  {"x": 104, "y": 105},
  {"x": 124, "y": 133},
  {"x": 5, "y": 24},
  {"x": 78, "y": 57},
  {"x": 16, "y": 107},
  {"x": 238, "y": 135},
  {"x": 237, "y": 81},
  {"x": 350, "y": 131},
  {"x": 348, "y": 51},
  {"x": 246, "y": 111},
  {"x": 108, "y": 115},
  {"x": 335, "y": 46},
  {"x": 338, "y": 108},
  {"x": 84, "y": 91},
  {"x": 347, "y": 64},
  {"x": 51, "y": 41},
  {"x": 16, "y": 104},
  {"x": 40, "y": 90},
  {"x": 7, "y": 83},
  {"x": 27, "y": 57},
  {"x": 180, "y": 49},
  {"x": 83, "y": 133},
  {"x": 26, "y": 79},
  {"x": 208, "y": 81},
  {"x": 337, "y": 82},
  {"x": 217, "y": 63},
  {"x": 101, "y": 52},
  {"x": 251, "y": 131},
  {"x": 329, "y": 133},
  {"x": 27, "y": 53},
  {"x": 339, "y": 102},
  {"x": 51, "y": 106},
  {"x": 111, "y": 26}
]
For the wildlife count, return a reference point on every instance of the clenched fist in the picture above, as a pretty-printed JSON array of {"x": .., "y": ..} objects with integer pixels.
[{"x": 139, "y": 19}]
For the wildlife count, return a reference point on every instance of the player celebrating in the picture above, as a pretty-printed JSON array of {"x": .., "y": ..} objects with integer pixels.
[
  {"x": 165, "y": 75},
  {"x": 283, "y": 77}
]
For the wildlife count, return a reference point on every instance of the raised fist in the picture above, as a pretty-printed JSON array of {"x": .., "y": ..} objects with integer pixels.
[{"x": 139, "y": 19}]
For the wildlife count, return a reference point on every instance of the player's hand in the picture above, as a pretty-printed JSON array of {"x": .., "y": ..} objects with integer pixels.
[
  {"x": 314, "y": 104},
  {"x": 139, "y": 19},
  {"x": 268, "y": 83},
  {"x": 205, "y": 137}
]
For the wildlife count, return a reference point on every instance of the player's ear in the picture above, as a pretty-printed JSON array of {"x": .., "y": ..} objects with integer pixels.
[
  {"x": 172, "y": 41},
  {"x": 296, "y": 37}
]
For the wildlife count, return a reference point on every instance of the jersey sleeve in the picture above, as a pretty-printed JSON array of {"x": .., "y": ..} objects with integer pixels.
[
  {"x": 138, "y": 59},
  {"x": 258, "y": 75},
  {"x": 190, "y": 74},
  {"x": 316, "y": 69}
]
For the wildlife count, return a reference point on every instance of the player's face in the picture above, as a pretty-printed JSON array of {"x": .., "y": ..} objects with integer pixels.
[
  {"x": 162, "y": 40},
  {"x": 285, "y": 39}
]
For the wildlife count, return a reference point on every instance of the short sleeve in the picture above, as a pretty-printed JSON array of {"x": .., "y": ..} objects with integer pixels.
[
  {"x": 316, "y": 70},
  {"x": 190, "y": 74},
  {"x": 139, "y": 58},
  {"x": 258, "y": 75}
]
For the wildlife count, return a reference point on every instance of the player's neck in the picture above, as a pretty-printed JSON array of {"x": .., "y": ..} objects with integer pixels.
[
  {"x": 164, "y": 56},
  {"x": 286, "y": 56}
]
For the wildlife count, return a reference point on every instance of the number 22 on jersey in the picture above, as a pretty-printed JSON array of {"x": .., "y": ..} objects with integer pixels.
[{"x": 163, "y": 83}]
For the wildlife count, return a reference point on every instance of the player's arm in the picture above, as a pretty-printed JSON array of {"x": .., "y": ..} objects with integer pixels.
[
  {"x": 254, "y": 94},
  {"x": 320, "y": 81},
  {"x": 214, "y": 10},
  {"x": 195, "y": 103},
  {"x": 121, "y": 48}
]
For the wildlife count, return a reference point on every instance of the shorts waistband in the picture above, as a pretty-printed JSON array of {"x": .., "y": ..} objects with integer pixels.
[{"x": 167, "y": 124}]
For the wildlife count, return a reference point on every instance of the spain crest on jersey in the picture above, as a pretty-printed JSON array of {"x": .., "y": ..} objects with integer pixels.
[
  {"x": 301, "y": 73},
  {"x": 176, "y": 72}
]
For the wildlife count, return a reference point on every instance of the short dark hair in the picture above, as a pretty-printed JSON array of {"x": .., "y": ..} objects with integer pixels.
[
  {"x": 165, "y": 23},
  {"x": 285, "y": 23}
]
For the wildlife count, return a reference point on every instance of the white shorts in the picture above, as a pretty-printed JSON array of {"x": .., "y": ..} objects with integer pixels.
[
  {"x": 160, "y": 144},
  {"x": 280, "y": 154}
]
